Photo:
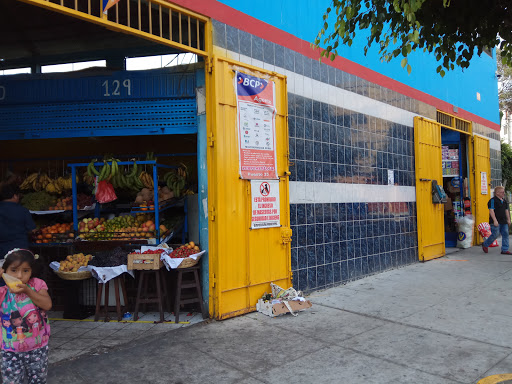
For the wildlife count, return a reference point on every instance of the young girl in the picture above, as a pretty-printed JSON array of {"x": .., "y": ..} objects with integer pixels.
[{"x": 24, "y": 351}]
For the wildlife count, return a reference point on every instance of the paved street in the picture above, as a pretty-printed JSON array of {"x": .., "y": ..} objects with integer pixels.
[{"x": 445, "y": 321}]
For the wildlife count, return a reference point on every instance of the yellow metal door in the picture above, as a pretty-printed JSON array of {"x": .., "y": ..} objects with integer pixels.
[
  {"x": 427, "y": 143},
  {"x": 481, "y": 190},
  {"x": 243, "y": 262}
]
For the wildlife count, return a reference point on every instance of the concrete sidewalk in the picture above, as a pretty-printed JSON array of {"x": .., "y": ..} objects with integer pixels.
[{"x": 444, "y": 321}]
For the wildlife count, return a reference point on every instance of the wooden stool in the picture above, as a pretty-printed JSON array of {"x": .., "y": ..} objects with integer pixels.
[
  {"x": 158, "y": 297},
  {"x": 119, "y": 280},
  {"x": 189, "y": 297}
]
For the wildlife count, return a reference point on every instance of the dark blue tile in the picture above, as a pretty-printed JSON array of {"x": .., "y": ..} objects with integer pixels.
[
  {"x": 319, "y": 213},
  {"x": 302, "y": 258},
  {"x": 268, "y": 52},
  {"x": 299, "y": 125},
  {"x": 219, "y": 34},
  {"x": 257, "y": 48},
  {"x": 335, "y": 212},
  {"x": 308, "y": 109},
  {"x": 295, "y": 259},
  {"x": 295, "y": 279},
  {"x": 320, "y": 276},
  {"x": 342, "y": 209},
  {"x": 311, "y": 255},
  {"x": 326, "y": 207},
  {"x": 291, "y": 126},
  {"x": 295, "y": 243},
  {"x": 293, "y": 214},
  {"x": 332, "y": 75},
  {"x": 299, "y": 149},
  {"x": 310, "y": 213},
  {"x": 318, "y": 172},
  {"x": 308, "y": 129},
  {"x": 341, "y": 154},
  {"x": 300, "y": 170},
  {"x": 332, "y": 119},
  {"x": 363, "y": 247},
  {"x": 334, "y": 173},
  {"x": 333, "y": 150},
  {"x": 357, "y": 267},
  {"x": 343, "y": 231},
  {"x": 325, "y": 113},
  {"x": 348, "y": 155},
  {"x": 327, "y": 233},
  {"x": 317, "y": 151},
  {"x": 350, "y": 231},
  {"x": 299, "y": 63},
  {"x": 291, "y": 143},
  {"x": 310, "y": 171},
  {"x": 336, "y": 251},
  {"x": 324, "y": 73},
  {"x": 245, "y": 43},
  {"x": 307, "y": 66},
  {"x": 326, "y": 156},
  {"x": 336, "y": 272},
  {"x": 325, "y": 133},
  {"x": 329, "y": 275},
  {"x": 289, "y": 59},
  {"x": 308, "y": 150},
  {"x": 335, "y": 231},
  {"x": 350, "y": 249},
  {"x": 320, "y": 254},
  {"x": 301, "y": 235},
  {"x": 326, "y": 172},
  {"x": 319, "y": 232},
  {"x": 317, "y": 111},
  {"x": 343, "y": 250},
  {"x": 312, "y": 284},
  {"x": 315, "y": 70},
  {"x": 279, "y": 55},
  {"x": 364, "y": 266},
  {"x": 328, "y": 253},
  {"x": 301, "y": 214},
  {"x": 303, "y": 279},
  {"x": 351, "y": 269},
  {"x": 371, "y": 246},
  {"x": 311, "y": 234},
  {"x": 299, "y": 106},
  {"x": 344, "y": 271},
  {"x": 232, "y": 40},
  {"x": 371, "y": 264}
]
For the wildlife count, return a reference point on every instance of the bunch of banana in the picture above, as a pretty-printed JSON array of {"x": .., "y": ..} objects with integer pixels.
[
  {"x": 27, "y": 183},
  {"x": 131, "y": 180},
  {"x": 182, "y": 171},
  {"x": 150, "y": 156},
  {"x": 146, "y": 179},
  {"x": 88, "y": 179},
  {"x": 65, "y": 183},
  {"x": 53, "y": 187},
  {"x": 91, "y": 169},
  {"x": 175, "y": 181}
]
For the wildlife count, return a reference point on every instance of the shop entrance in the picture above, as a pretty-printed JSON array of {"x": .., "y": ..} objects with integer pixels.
[
  {"x": 456, "y": 181},
  {"x": 452, "y": 178}
]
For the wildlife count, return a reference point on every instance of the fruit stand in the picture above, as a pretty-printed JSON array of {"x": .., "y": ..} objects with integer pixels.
[{"x": 74, "y": 227}]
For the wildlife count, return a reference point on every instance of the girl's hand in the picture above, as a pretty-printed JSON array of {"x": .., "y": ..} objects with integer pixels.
[{"x": 21, "y": 288}]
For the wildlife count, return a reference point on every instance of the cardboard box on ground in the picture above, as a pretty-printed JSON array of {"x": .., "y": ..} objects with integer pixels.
[{"x": 277, "y": 309}]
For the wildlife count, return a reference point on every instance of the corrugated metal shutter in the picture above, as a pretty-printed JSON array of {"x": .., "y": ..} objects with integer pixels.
[{"x": 117, "y": 104}]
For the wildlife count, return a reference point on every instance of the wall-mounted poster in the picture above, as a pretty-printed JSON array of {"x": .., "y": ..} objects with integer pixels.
[
  {"x": 265, "y": 204},
  {"x": 483, "y": 183},
  {"x": 256, "y": 127}
]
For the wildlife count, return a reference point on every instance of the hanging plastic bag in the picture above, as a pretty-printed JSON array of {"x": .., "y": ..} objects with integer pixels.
[
  {"x": 465, "y": 236},
  {"x": 105, "y": 192},
  {"x": 485, "y": 231}
]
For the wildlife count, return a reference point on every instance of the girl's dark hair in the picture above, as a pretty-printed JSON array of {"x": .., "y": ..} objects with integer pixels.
[{"x": 20, "y": 256}]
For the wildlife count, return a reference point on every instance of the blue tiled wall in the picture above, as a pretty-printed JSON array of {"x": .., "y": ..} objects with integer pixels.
[{"x": 335, "y": 243}]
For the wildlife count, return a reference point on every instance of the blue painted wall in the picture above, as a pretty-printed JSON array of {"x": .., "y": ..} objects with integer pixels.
[{"x": 303, "y": 18}]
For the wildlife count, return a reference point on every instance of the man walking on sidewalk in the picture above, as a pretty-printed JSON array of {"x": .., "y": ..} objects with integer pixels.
[{"x": 499, "y": 219}]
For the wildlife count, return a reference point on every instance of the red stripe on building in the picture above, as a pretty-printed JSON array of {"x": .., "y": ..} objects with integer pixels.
[{"x": 242, "y": 21}]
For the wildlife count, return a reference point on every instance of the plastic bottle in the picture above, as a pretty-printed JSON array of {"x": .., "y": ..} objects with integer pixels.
[{"x": 11, "y": 282}]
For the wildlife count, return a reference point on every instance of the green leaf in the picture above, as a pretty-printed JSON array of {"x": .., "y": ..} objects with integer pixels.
[
  {"x": 403, "y": 63},
  {"x": 409, "y": 69}
]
